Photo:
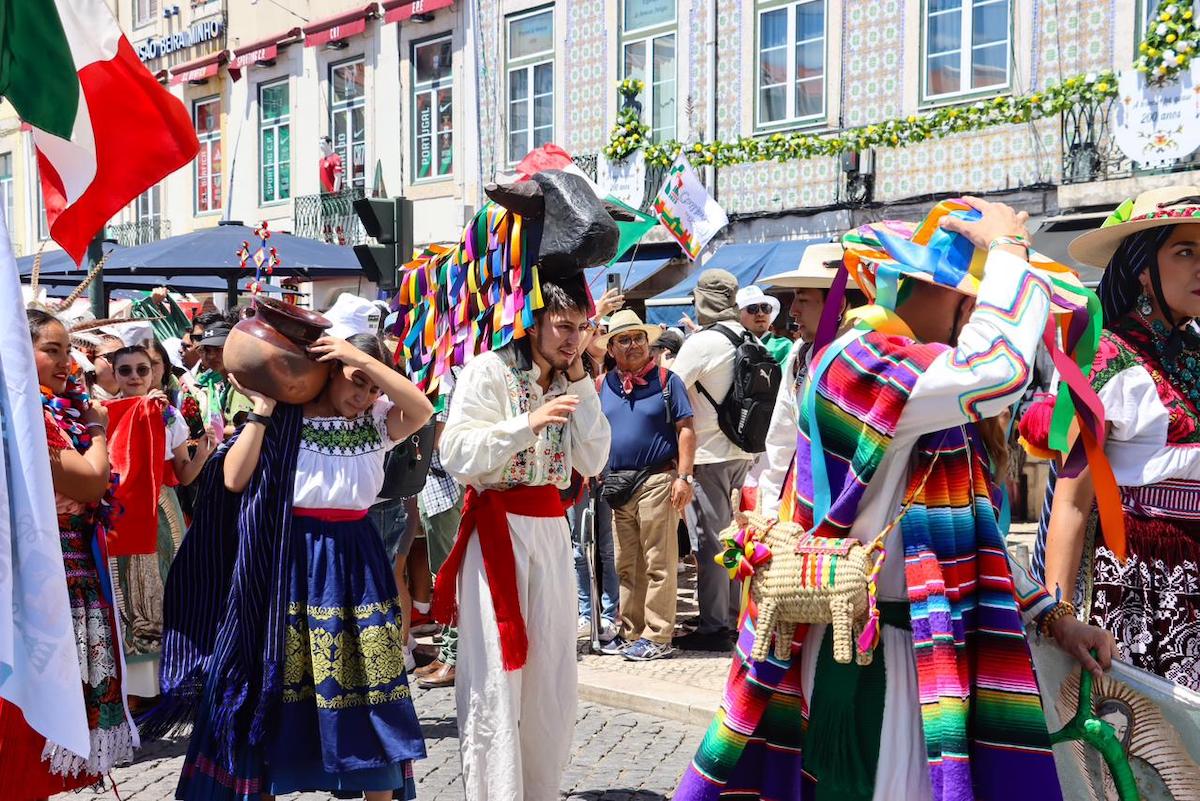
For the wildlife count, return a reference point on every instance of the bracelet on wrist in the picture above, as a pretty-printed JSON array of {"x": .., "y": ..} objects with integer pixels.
[
  {"x": 1058, "y": 611},
  {"x": 261, "y": 419},
  {"x": 100, "y": 426},
  {"x": 1019, "y": 240}
]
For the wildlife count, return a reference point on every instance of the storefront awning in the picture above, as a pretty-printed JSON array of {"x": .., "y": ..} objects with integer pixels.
[
  {"x": 199, "y": 70},
  {"x": 748, "y": 261},
  {"x": 343, "y": 26},
  {"x": 401, "y": 10},
  {"x": 262, "y": 50},
  {"x": 1052, "y": 236},
  {"x": 632, "y": 272}
]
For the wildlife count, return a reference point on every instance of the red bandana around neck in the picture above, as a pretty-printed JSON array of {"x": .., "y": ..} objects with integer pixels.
[{"x": 634, "y": 378}]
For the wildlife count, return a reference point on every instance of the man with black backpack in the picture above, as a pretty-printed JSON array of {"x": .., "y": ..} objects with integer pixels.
[{"x": 732, "y": 381}]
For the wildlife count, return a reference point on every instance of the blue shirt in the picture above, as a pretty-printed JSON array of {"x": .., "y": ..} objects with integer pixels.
[{"x": 641, "y": 433}]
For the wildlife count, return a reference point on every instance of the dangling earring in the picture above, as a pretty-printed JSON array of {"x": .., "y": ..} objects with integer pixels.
[{"x": 1143, "y": 305}]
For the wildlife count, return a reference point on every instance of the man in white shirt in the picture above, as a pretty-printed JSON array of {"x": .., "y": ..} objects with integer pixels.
[
  {"x": 521, "y": 419},
  {"x": 706, "y": 360}
]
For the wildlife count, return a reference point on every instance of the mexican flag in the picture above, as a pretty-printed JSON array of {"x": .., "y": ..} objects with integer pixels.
[{"x": 104, "y": 129}]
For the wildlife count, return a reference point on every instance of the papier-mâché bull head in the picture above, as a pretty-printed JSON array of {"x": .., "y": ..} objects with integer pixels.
[{"x": 569, "y": 227}]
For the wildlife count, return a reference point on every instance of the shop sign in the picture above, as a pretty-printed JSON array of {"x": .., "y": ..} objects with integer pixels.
[{"x": 200, "y": 32}]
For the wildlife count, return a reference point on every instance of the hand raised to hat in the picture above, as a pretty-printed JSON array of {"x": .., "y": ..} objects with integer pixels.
[{"x": 997, "y": 221}]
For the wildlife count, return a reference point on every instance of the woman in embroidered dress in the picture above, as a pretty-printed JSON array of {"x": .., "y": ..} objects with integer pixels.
[
  {"x": 141, "y": 578},
  {"x": 31, "y": 767},
  {"x": 1147, "y": 373},
  {"x": 336, "y": 714}
]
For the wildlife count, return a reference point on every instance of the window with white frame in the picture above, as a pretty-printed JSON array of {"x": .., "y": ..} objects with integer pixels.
[
  {"x": 530, "y": 71},
  {"x": 43, "y": 224},
  {"x": 791, "y": 62},
  {"x": 148, "y": 205},
  {"x": 6, "y": 187},
  {"x": 206, "y": 115},
  {"x": 144, "y": 12},
  {"x": 648, "y": 54},
  {"x": 274, "y": 142},
  {"x": 348, "y": 120},
  {"x": 433, "y": 109},
  {"x": 1146, "y": 14},
  {"x": 966, "y": 47}
]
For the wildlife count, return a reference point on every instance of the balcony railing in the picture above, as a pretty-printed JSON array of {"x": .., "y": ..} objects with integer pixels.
[
  {"x": 329, "y": 217},
  {"x": 654, "y": 181},
  {"x": 586, "y": 163},
  {"x": 1090, "y": 152},
  {"x": 139, "y": 232}
]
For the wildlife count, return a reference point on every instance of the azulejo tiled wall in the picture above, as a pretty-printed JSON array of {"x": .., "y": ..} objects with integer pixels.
[{"x": 588, "y": 84}]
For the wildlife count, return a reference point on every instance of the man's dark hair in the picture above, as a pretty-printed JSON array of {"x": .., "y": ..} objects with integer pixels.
[
  {"x": 557, "y": 299},
  {"x": 207, "y": 319}
]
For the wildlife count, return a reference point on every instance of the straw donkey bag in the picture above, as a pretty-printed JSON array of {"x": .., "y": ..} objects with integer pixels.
[{"x": 797, "y": 578}]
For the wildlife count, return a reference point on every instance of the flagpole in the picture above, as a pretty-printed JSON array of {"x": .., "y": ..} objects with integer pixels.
[{"x": 97, "y": 294}]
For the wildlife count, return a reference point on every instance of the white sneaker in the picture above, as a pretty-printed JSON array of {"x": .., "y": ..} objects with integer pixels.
[
  {"x": 608, "y": 631},
  {"x": 585, "y": 628}
]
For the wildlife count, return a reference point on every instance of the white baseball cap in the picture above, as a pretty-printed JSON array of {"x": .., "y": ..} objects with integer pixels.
[
  {"x": 752, "y": 295},
  {"x": 352, "y": 315}
]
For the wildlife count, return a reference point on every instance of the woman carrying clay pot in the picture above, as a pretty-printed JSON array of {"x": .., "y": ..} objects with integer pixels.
[{"x": 283, "y": 639}]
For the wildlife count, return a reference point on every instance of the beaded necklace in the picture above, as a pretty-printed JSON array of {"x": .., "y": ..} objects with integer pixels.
[{"x": 1184, "y": 368}]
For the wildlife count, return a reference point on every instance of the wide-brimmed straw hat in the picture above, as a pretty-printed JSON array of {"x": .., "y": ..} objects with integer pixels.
[
  {"x": 818, "y": 267},
  {"x": 625, "y": 321},
  {"x": 1153, "y": 208},
  {"x": 879, "y": 253}
]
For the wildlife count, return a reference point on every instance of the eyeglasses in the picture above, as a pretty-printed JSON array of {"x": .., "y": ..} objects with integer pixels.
[
  {"x": 631, "y": 341},
  {"x": 126, "y": 370},
  {"x": 759, "y": 308}
]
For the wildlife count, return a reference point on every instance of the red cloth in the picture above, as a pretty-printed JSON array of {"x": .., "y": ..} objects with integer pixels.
[
  {"x": 137, "y": 442},
  {"x": 26, "y": 776},
  {"x": 331, "y": 172},
  {"x": 331, "y": 515},
  {"x": 635, "y": 378},
  {"x": 488, "y": 512}
]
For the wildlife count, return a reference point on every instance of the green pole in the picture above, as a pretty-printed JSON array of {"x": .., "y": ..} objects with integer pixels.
[{"x": 96, "y": 292}]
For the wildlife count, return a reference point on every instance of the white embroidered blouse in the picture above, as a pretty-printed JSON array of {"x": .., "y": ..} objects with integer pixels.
[{"x": 340, "y": 464}]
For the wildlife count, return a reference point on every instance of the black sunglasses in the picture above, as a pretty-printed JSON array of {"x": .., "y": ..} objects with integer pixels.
[
  {"x": 126, "y": 370},
  {"x": 759, "y": 308}
]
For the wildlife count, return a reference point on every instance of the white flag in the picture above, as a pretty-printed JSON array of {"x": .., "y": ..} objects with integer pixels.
[
  {"x": 686, "y": 210},
  {"x": 39, "y": 663}
]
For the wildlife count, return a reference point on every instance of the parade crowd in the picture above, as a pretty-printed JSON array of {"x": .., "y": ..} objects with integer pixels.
[{"x": 274, "y": 616}]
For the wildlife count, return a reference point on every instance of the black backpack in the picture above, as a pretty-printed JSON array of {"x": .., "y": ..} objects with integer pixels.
[{"x": 744, "y": 414}]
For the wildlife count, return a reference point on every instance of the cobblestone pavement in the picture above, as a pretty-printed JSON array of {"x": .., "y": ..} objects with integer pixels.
[{"x": 619, "y": 756}]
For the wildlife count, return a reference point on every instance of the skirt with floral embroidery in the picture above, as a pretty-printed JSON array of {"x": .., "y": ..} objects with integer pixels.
[
  {"x": 29, "y": 766},
  {"x": 1151, "y": 602},
  {"x": 346, "y": 723}
]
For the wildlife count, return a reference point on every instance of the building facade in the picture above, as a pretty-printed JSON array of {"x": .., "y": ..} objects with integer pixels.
[{"x": 433, "y": 99}]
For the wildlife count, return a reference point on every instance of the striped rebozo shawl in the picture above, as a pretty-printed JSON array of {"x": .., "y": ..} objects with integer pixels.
[
  {"x": 985, "y": 732},
  {"x": 224, "y": 604}
]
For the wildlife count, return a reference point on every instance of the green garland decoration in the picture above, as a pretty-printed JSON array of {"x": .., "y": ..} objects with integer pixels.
[
  {"x": 1169, "y": 45},
  {"x": 629, "y": 133}
]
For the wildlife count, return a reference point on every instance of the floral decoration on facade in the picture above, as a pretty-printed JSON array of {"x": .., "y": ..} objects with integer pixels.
[
  {"x": 1169, "y": 45},
  {"x": 629, "y": 133}
]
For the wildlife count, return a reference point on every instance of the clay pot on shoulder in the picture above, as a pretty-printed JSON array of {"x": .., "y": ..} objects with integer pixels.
[{"x": 268, "y": 352}]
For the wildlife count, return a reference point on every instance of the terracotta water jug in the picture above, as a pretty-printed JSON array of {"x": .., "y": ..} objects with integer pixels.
[{"x": 268, "y": 352}]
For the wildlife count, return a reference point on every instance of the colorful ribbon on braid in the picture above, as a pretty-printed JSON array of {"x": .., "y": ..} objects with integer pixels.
[
  {"x": 877, "y": 255},
  {"x": 459, "y": 301}
]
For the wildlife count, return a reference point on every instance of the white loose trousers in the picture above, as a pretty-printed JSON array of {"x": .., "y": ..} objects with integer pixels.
[{"x": 515, "y": 727}]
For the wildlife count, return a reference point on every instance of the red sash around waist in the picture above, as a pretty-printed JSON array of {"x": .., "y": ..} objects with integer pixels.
[
  {"x": 331, "y": 515},
  {"x": 487, "y": 512}
]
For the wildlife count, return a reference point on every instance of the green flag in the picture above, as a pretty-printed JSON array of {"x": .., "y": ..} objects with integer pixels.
[{"x": 631, "y": 232}]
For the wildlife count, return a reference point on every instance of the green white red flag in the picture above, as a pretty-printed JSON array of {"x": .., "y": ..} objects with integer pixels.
[{"x": 104, "y": 129}]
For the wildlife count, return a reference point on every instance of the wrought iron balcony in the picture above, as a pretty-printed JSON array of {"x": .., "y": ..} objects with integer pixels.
[
  {"x": 140, "y": 232},
  {"x": 586, "y": 163},
  {"x": 1090, "y": 152},
  {"x": 329, "y": 217},
  {"x": 654, "y": 181}
]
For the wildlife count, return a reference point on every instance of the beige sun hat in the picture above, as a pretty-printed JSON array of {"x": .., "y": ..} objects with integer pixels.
[
  {"x": 818, "y": 267},
  {"x": 625, "y": 321},
  {"x": 1153, "y": 208}
]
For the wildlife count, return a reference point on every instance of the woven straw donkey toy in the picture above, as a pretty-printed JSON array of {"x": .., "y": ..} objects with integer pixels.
[{"x": 798, "y": 579}]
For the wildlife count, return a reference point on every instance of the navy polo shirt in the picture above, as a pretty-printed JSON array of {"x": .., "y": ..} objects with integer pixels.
[{"x": 641, "y": 435}]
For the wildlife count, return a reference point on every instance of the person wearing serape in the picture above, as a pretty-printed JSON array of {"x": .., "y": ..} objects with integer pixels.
[
  {"x": 282, "y": 641},
  {"x": 1147, "y": 374},
  {"x": 895, "y": 415},
  {"x": 522, "y": 418}
]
